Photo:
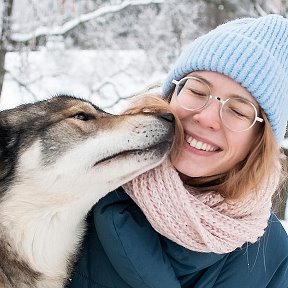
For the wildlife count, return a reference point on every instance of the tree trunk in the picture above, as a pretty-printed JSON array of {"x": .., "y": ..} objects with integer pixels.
[
  {"x": 6, "y": 29},
  {"x": 2, "y": 67}
]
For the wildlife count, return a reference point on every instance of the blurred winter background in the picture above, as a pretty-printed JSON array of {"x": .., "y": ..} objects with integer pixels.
[{"x": 107, "y": 50}]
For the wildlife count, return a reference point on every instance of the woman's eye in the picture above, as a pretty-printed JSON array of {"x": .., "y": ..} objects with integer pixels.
[
  {"x": 198, "y": 93},
  {"x": 238, "y": 113},
  {"x": 82, "y": 116}
]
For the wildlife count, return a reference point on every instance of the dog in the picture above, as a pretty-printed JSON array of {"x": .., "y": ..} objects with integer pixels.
[{"x": 58, "y": 158}]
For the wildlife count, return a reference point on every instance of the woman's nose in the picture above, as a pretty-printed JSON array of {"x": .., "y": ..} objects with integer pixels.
[{"x": 209, "y": 117}]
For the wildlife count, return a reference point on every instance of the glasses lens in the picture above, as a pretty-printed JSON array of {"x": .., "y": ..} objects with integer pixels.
[
  {"x": 238, "y": 114},
  {"x": 192, "y": 93}
]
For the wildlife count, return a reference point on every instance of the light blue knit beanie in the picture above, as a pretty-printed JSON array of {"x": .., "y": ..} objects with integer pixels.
[{"x": 253, "y": 52}]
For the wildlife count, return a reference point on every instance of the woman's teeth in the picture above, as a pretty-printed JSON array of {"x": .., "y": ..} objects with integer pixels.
[{"x": 199, "y": 144}]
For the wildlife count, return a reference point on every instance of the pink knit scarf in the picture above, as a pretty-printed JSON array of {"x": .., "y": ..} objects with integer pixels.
[{"x": 200, "y": 221}]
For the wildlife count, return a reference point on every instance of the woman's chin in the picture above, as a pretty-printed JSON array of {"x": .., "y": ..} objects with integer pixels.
[
  {"x": 193, "y": 169},
  {"x": 188, "y": 170}
]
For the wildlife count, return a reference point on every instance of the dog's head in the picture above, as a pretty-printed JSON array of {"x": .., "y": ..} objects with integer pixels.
[{"x": 67, "y": 145}]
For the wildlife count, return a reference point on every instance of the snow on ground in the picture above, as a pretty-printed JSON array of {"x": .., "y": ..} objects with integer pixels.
[
  {"x": 285, "y": 225},
  {"x": 284, "y": 143},
  {"x": 102, "y": 76}
]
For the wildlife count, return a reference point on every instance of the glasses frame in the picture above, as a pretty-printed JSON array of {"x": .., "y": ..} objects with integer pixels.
[{"x": 210, "y": 98}]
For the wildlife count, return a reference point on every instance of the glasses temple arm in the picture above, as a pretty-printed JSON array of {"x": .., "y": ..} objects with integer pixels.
[{"x": 259, "y": 119}]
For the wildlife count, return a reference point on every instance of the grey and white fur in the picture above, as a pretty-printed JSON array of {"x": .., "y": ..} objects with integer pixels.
[{"x": 57, "y": 159}]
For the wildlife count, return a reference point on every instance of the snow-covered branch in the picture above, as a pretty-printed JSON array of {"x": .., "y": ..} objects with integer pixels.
[
  {"x": 259, "y": 9},
  {"x": 22, "y": 84},
  {"x": 69, "y": 25}
]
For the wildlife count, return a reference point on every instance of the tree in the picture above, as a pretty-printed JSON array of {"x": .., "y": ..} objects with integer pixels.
[
  {"x": 159, "y": 27},
  {"x": 7, "y": 6},
  {"x": 37, "y": 27}
]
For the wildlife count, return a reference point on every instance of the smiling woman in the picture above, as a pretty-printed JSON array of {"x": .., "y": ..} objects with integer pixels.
[
  {"x": 232, "y": 135},
  {"x": 204, "y": 219}
]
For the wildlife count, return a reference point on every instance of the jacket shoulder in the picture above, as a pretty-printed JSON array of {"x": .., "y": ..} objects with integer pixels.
[{"x": 261, "y": 264}]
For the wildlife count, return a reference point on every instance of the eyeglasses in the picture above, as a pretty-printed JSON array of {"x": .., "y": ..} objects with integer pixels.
[{"x": 237, "y": 114}]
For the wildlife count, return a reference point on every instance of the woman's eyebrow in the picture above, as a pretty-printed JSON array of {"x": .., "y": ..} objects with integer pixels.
[
  {"x": 241, "y": 97},
  {"x": 203, "y": 79}
]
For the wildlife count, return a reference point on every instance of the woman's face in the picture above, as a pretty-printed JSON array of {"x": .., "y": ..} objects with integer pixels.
[{"x": 210, "y": 148}]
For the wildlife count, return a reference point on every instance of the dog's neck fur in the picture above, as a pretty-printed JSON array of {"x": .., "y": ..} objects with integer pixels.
[
  {"x": 46, "y": 220},
  {"x": 45, "y": 231}
]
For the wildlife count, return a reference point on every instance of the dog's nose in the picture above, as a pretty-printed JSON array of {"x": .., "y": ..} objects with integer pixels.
[{"x": 168, "y": 117}]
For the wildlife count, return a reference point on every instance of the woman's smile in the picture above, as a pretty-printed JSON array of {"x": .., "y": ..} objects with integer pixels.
[{"x": 200, "y": 145}]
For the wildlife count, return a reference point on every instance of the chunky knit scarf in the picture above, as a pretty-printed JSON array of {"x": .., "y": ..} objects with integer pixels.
[{"x": 200, "y": 221}]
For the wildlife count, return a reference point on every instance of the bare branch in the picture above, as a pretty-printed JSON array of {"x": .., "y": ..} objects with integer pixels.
[
  {"x": 22, "y": 84},
  {"x": 107, "y": 80},
  {"x": 141, "y": 92},
  {"x": 72, "y": 24}
]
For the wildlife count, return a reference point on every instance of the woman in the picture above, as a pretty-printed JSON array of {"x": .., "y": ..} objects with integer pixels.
[{"x": 206, "y": 220}]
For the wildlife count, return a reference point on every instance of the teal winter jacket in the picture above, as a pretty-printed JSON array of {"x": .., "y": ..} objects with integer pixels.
[{"x": 122, "y": 250}]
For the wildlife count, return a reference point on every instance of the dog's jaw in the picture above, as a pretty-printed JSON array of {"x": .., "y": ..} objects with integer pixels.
[{"x": 47, "y": 238}]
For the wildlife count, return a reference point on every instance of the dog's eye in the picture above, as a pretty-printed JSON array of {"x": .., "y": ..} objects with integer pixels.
[{"x": 83, "y": 116}]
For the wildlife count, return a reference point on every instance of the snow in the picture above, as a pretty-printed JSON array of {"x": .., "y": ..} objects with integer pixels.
[
  {"x": 285, "y": 225},
  {"x": 104, "y": 77},
  {"x": 284, "y": 143},
  {"x": 69, "y": 25}
]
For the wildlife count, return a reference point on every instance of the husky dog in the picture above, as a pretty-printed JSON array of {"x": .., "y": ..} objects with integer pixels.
[{"x": 57, "y": 158}]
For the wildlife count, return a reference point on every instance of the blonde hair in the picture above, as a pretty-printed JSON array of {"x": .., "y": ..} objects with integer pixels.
[
  {"x": 259, "y": 164},
  {"x": 246, "y": 176}
]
